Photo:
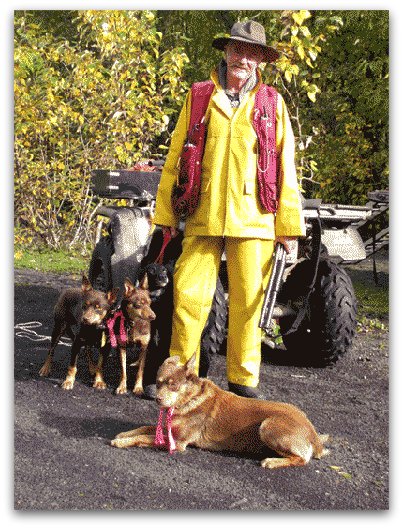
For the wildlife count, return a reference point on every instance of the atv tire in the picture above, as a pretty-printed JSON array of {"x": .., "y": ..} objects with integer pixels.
[
  {"x": 329, "y": 326},
  {"x": 100, "y": 271}
]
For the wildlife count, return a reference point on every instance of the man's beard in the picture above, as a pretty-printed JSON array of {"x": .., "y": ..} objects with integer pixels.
[{"x": 238, "y": 70}]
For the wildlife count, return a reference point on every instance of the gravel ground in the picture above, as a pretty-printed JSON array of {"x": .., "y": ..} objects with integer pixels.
[{"x": 63, "y": 460}]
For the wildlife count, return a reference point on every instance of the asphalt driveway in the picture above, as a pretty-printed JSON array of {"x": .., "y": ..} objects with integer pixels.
[{"x": 63, "y": 460}]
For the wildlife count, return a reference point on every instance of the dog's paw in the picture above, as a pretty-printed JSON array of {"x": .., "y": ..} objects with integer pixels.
[
  {"x": 67, "y": 384},
  {"x": 122, "y": 389},
  {"x": 138, "y": 391},
  {"x": 181, "y": 447},
  {"x": 268, "y": 463},
  {"x": 120, "y": 435},
  {"x": 290, "y": 461},
  {"x": 324, "y": 452},
  {"x": 99, "y": 384},
  {"x": 273, "y": 463},
  {"x": 122, "y": 442},
  {"x": 46, "y": 367}
]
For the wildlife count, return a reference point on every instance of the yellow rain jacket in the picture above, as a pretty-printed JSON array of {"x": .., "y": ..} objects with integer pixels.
[{"x": 229, "y": 203}]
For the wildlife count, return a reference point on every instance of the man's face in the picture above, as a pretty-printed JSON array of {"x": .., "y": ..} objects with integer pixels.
[{"x": 242, "y": 58}]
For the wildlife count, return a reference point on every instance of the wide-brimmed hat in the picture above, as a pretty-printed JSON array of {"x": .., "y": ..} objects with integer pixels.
[{"x": 250, "y": 32}]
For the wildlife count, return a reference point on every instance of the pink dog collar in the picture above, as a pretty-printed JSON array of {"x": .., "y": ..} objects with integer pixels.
[{"x": 160, "y": 438}]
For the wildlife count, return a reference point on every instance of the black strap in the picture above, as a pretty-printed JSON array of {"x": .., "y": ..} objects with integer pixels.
[{"x": 316, "y": 247}]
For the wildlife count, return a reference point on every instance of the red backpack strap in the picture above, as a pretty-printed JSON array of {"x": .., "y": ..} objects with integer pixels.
[
  {"x": 266, "y": 101},
  {"x": 201, "y": 93},
  {"x": 264, "y": 121},
  {"x": 186, "y": 193}
]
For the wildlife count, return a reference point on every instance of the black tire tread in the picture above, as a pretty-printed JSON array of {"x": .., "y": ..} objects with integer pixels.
[
  {"x": 99, "y": 271},
  {"x": 329, "y": 328}
]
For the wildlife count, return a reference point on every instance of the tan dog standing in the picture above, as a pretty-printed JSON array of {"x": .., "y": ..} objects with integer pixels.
[
  {"x": 136, "y": 306},
  {"x": 208, "y": 417}
]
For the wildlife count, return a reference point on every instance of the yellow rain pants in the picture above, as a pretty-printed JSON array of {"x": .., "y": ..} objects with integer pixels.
[{"x": 195, "y": 278}]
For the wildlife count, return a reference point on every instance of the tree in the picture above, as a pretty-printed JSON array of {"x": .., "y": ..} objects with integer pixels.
[
  {"x": 103, "y": 99},
  {"x": 351, "y": 143}
]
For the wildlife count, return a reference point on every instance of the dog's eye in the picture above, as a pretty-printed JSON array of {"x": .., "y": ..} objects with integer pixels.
[{"x": 173, "y": 386}]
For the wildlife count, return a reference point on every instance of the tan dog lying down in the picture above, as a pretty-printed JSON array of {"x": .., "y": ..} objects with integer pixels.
[{"x": 205, "y": 416}]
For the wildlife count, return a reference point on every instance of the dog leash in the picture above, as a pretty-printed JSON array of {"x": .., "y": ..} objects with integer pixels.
[
  {"x": 165, "y": 242},
  {"x": 110, "y": 323},
  {"x": 26, "y": 330},
  {"x": 160, "y": 438}
]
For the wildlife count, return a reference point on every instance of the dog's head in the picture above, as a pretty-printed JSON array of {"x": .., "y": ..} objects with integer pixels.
[
  {"x": 175, "y": 382},
  {"x": 157, "y": 276},
  {"x": 136, "y": 301},
  {"x": 95, "y": 304}
]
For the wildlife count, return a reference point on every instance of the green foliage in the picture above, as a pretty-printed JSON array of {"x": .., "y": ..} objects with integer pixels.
[
  {"x": 194, "y": 30},
  {"x": 373, "y": 300},
  {"x": 104, "y": 100},
  {"x": 351, "y": 143}
]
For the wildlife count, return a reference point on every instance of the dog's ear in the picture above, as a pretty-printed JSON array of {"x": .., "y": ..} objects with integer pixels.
[
  {"x": 144, "y": 282},
  {"x": 190, "y": 365},
  {"x": 112, "y": 295},
  {"x": 129, "y": 287},
  {"x": 173, "y": 360},
  {"x": 85, "y": 284}
]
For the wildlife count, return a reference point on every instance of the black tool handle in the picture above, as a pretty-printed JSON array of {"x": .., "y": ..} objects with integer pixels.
[{"x": 273, "y": 288}]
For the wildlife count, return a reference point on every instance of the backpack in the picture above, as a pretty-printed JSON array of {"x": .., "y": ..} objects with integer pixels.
[{"x": 186, "y": 192}]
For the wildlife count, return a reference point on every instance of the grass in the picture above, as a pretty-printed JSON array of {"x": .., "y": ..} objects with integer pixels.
[
  {"x": 55, "y": 261},
  {"x": 373, "y": 306},
  {"x": 373, "y": 300}
]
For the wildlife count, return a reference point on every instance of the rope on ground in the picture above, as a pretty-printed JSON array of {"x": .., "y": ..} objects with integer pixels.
[{"x": 26, "y": 331}]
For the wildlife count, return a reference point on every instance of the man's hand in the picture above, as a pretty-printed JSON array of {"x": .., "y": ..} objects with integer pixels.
[
  {"x": 288, "y": 242},
  {"x": 172, "y": 230}
]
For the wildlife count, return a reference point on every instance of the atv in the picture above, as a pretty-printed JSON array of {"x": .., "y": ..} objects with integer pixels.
[{"x": 316, "y": 309}]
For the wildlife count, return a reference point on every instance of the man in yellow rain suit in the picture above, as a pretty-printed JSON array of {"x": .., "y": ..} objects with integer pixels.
[{"x": 229, "y": 216}]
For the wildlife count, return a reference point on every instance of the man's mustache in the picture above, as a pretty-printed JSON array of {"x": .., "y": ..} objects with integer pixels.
[{"x": 238, "y": 65}]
